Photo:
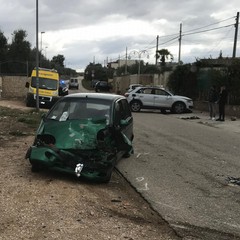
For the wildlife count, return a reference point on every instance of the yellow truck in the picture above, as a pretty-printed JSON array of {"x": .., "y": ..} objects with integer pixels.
[{"x": 48, "y": 87}]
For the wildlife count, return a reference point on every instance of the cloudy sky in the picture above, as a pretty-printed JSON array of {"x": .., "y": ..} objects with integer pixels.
[{"x": 100, "y": 30}]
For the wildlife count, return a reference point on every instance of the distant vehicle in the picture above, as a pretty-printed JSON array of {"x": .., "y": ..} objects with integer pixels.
[
  {"x": 93, "y": 83},
  {"x": 103, "y": 86},
  {"x": 84, "y": 134},
  {"x": 48, "y": 83},
  {"x": 63, "y": 88},
  {"x": 157, "y": 98},
  {"x": 73, "y": 83}
]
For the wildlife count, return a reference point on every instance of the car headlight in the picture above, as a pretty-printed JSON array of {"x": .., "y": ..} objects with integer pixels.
[
  {"x": 55, "y": 93},
  {"x": 31, "y": 90}
]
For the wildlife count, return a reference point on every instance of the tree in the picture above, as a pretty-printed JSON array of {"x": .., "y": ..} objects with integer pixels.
[
  {"x": 58, "y": 60},
  {"x": 18, "y": 53},
  {"x": 96, "y": 71},
  {"x": 3, "y": 47},
  {"x": 183, "y": 81},
  {"x": 164, "y": 54}
]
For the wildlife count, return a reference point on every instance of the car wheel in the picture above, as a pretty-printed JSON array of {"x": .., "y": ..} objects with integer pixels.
[
  {"x": 36, "y": 167},
  {"x": 179, "y": 107},
  {"x": 107, "y": 177},
  {"x": 135, "y": 106}
]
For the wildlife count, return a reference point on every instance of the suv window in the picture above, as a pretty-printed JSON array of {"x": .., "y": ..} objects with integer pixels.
[
  {"x": 146, "y": 90},
  {"x": 161, "y": 92}
]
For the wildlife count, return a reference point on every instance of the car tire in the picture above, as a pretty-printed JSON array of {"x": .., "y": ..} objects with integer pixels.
[
  {"x": 29, "y": 103},
  {"x": 107, "y": 178},
  {"x": 36, "y": 167},
  {"x": 178, "y": 107},
  {"x": 135, "y": 106}
]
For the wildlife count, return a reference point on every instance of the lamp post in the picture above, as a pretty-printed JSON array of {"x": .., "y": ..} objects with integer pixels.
[
  {"x": 139, "y": 54},
  {"x": 41, "y": 40}
]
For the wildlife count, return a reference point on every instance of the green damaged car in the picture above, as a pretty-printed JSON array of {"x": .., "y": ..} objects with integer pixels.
[{"x": 84, "y": 134}]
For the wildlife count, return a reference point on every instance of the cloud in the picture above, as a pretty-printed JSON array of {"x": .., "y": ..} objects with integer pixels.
[{"x": 84, "y": 30}]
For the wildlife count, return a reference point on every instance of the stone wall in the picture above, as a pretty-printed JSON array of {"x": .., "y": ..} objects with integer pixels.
[{"x": 14, "y": 86}]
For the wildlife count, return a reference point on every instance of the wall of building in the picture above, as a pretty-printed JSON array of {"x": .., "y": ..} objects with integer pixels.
[{"x": 120, "y": 84}]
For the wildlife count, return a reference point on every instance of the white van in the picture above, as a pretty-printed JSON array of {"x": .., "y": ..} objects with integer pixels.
[{"x": 73, "y": 83}]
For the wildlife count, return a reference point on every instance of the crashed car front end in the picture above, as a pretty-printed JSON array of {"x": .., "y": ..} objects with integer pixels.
[{"x": 88, "y": 148}]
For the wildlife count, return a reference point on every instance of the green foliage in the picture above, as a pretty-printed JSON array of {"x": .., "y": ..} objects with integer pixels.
[
  {"x": 163, "y": 54},
  {"x": 3, "y": 47},
  {"x": 58, "y": 61},
  {"x": 96, "y": 71},
  {"x": 17, "y": 58},
  {"x": 183, "y": 81}
]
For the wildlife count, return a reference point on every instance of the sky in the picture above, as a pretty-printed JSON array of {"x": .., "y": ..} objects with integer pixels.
[{"x": 103, "y": 31}]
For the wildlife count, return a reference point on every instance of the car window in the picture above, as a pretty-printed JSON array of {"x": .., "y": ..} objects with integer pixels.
[
  {"x": 121, "y": 111},
  {"x": 145, "y": 90},
  {"x": 161, "y": 92},
  {"x": 76, "y": 109}
]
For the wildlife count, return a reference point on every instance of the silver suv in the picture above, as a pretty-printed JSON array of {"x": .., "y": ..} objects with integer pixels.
[{"x": 157, "y": 98}]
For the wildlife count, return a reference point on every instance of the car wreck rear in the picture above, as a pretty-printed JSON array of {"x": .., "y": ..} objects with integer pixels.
[{"x": 84, "y": 135}]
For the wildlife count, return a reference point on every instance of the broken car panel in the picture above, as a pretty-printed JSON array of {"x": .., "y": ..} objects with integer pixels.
[{"x": 84, "y": 134}]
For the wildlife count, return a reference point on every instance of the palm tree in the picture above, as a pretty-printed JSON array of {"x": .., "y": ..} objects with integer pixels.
[{"x": 164, "y": 54}]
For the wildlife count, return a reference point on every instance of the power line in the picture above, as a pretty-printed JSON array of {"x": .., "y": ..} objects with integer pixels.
[
  {"x": 210, "y": 24},
  {"x": 208, "y": 30}
]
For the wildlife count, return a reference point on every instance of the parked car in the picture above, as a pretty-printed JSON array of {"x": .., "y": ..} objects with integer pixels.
[
  {"x": 93, "y": 83},
  {"x": 103, "y": 86},
  {"x": 73, "y": 83},
  {"x": 157, "y": 98},
  {"x": 84, "y": 134}
]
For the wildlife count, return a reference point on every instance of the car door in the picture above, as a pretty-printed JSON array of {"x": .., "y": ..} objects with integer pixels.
[
  {"x": 123, "y": 119},
  {"x": 146, "y": 96},
  {"x": 162, "y": 99}
]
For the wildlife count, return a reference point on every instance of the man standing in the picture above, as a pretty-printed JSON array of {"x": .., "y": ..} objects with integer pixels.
[
  {"x": 212, "y": 99},
  {"x": 222, "y": 101}
]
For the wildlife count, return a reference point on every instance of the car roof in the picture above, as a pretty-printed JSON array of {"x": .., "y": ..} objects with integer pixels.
[
  {"x": 104, "y": 96},
  {"x": 155, "y": 87}
]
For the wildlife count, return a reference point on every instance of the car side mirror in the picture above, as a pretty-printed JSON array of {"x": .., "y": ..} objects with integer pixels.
[
  {"x": 27, "y": 85},
  {"x": 123, "y": 122},
  {"x": 43, "y": 116}
]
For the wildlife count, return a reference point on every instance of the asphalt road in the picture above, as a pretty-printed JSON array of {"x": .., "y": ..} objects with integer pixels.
[{"x": 181, "y": 167}]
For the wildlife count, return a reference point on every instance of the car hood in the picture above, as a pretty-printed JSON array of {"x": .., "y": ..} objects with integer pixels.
[
  {"x": 74, "y": 134},
  {"x": 182, "y": 97}
]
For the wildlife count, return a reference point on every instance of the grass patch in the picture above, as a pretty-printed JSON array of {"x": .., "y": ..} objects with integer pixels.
[
  {"x": 86, "y": 84},
  {"x": 31, "y": 117}
]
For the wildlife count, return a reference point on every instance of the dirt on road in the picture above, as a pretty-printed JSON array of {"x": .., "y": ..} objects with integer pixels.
[{"x": 50, "y": 205}]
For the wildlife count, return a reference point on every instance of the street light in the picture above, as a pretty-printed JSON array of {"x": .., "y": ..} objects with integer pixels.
[
  {"x": 41, "y": 40},
  {"x": 139, "y": 54}
]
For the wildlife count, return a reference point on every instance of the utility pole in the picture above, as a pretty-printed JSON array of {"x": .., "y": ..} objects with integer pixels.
[
  {"x": 235, "y": 37},
  {"x": 126, "y": 62},
  {"x": 157, "y": 50},
  {"x": 180, "y": 43},
  {"x": 37, "y": 60}
]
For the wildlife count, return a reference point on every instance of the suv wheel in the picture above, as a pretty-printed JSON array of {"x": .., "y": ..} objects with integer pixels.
[
  {"x": 135, "y": 106},
  {"x": 178, "y": 107}
]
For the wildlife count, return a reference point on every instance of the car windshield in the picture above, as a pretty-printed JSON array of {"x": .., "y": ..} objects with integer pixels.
[
  {"x": 81, "y": 108},
  {"x": 45, "y": 83}
]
